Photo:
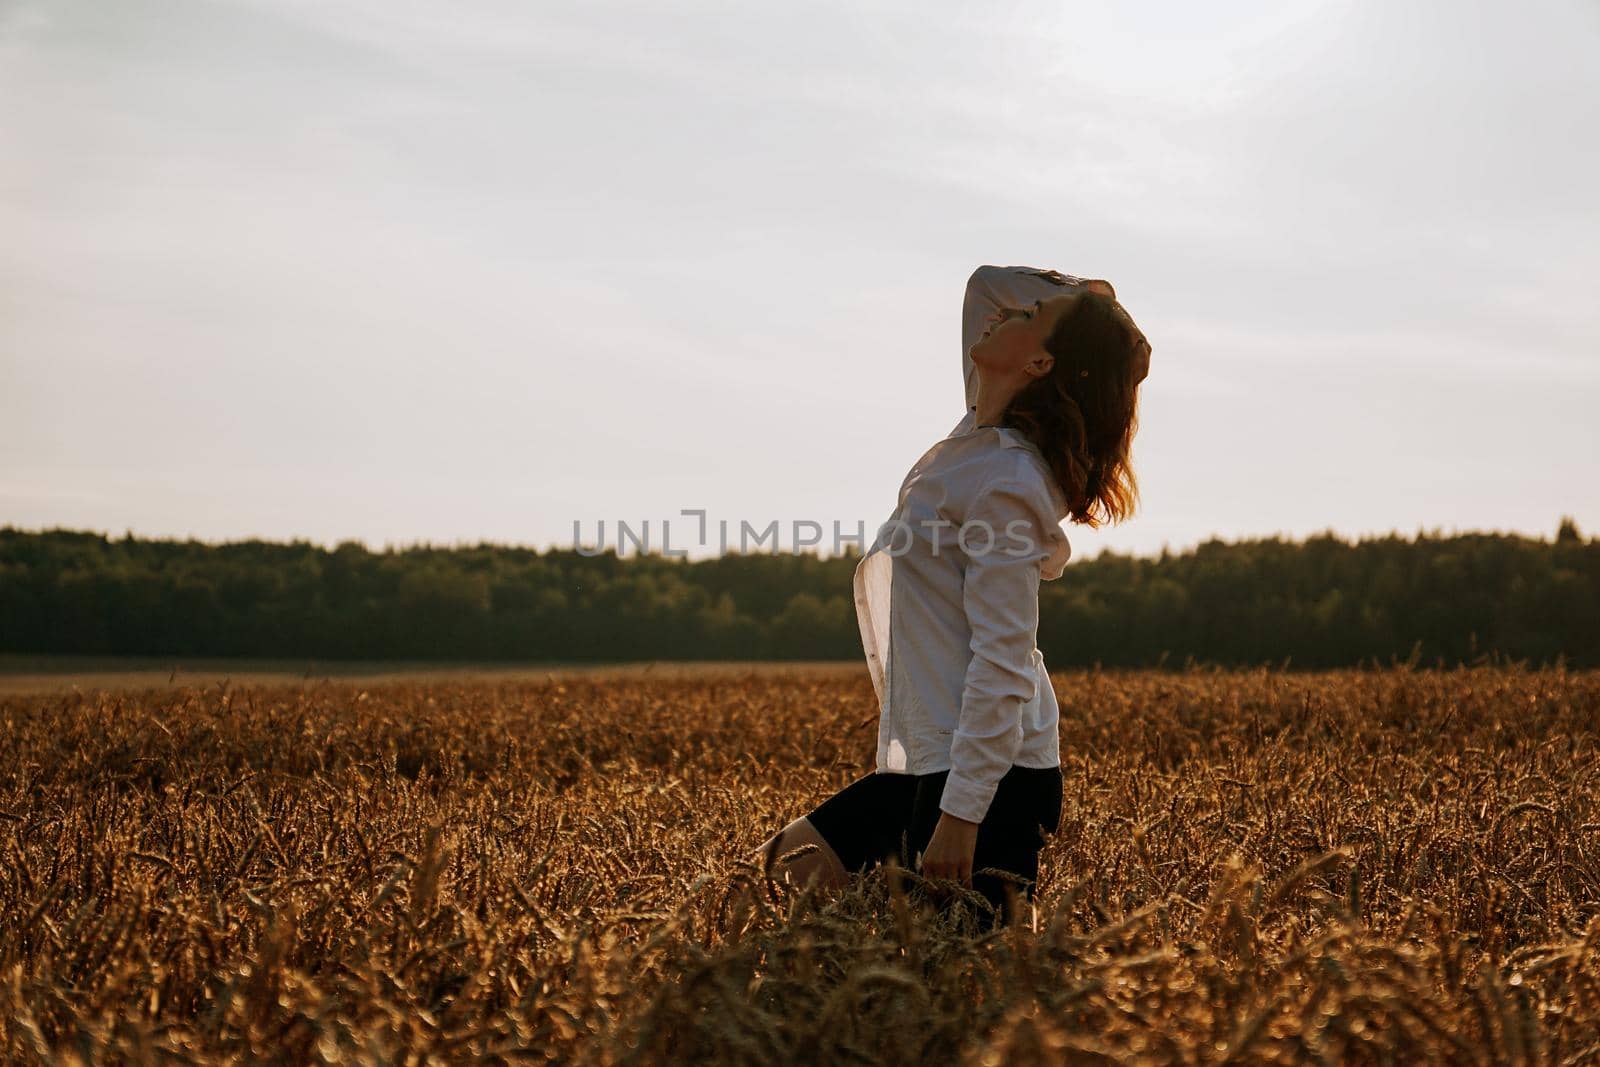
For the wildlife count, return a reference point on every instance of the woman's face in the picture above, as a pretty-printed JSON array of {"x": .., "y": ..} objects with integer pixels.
[{"x": 1014, "y": 337}]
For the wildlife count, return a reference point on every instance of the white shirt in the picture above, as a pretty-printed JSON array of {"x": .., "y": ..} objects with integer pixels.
[{"x": 949, "y": 629}]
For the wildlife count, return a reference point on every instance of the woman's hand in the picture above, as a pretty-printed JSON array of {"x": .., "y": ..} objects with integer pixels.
[
  {"x": 949, "y": 852},
  {"x": 1053, "y": 275}
]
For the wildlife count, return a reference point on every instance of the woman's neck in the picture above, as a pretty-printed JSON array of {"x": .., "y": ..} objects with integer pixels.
[{"x": 993, "y": 399}]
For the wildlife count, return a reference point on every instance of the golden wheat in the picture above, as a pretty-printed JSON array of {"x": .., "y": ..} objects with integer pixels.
[{"x": 1259, "y": 867}]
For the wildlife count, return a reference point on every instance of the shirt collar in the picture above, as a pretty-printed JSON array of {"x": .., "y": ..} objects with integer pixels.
[{"x": 1009, "y": 436}]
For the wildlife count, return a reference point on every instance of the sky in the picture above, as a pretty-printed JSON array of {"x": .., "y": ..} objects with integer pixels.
[{"x": 490, "y": 271}]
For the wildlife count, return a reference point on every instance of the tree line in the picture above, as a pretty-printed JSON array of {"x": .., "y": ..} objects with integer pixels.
[{"x": 1318, "y": 602}]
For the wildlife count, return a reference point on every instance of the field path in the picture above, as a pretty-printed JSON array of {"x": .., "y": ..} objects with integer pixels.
[{"x": 54, "y": 674}]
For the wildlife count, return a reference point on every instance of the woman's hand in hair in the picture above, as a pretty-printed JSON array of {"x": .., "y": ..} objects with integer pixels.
[
  {"x": 949, "y": 852},
  {"x": 1094, "y": 285},
  {"x": 1054, "y": 276}
]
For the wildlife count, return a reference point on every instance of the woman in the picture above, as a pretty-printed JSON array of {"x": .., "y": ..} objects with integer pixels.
[{"x": 947, "y": 597}]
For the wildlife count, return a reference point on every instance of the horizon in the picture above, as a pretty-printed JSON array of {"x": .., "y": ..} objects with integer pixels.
[{"x": 400, "y": 547}]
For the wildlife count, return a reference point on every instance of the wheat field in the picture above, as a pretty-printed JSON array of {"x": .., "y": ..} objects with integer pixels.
[{"x": 1387, "y": 867}]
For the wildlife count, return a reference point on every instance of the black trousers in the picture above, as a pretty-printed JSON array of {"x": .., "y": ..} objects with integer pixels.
[{"x": 884, "y": 815}]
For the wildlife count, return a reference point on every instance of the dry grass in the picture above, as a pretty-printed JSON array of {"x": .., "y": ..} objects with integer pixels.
[{"x": 1255, "y": 867}]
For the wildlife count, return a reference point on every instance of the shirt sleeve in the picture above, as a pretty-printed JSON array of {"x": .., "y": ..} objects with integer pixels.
[
  {"x": 990, "y": 288},
  {"x": 1000, "y": 594}
]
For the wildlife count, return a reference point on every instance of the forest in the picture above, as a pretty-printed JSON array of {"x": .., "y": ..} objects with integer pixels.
[{"x": 1320, "y": 602}]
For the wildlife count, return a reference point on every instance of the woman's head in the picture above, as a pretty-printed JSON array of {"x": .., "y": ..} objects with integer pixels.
[{"x": 1076, "y": 361}]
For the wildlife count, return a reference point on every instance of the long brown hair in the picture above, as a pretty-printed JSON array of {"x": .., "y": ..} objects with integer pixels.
[{"x": 1083, "y": 414}]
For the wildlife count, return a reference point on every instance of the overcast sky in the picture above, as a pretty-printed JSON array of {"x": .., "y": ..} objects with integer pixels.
[{"x": 448, "y": 272}]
